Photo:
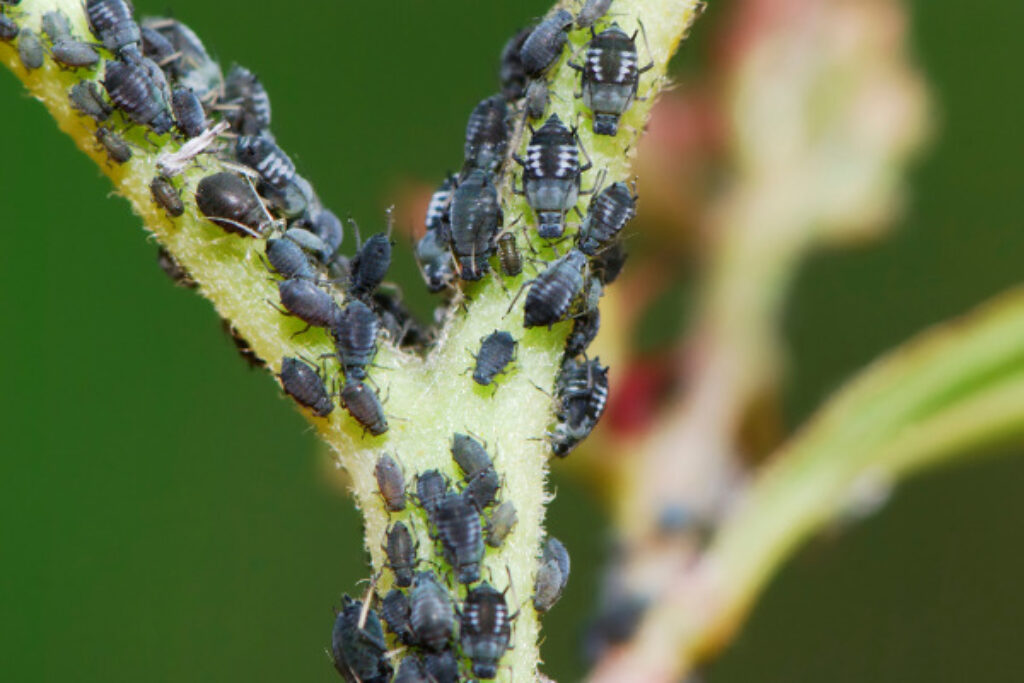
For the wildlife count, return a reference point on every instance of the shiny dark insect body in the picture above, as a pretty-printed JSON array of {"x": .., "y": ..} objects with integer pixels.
[
  {"x": 552, "y": 576},
  {"x": 485, "y": 629},
  {"x": 501, "y": 523},
  {"x": 118, "y": 150},
  {"x": 364, "y": 406},
  {"x": 288, "y": 259},
  {"x": 497, "y": 350},
  {"x": 591, "y": 11},
  {"x": 303, "y": 383},
  {"x": 262, "y": 154},
  {"x": 544, "y": 44},
  {"x": 308, "y": 302},
  {"x": 431, "y": 486},
  {"x": 584, "y": 329},
  {"x": 8, "y": 29},
  {"x": 551, "y": 175},
  {"x": 113, "y": 24},
  {"x": 355, "y": 338},
  {"x": 487, "y": 135},
  {"x": 512, "y": 73},
  {"x": 458, "y": 527},
  {"x": 188, "y": 112},
  {"x": 390, "y": 483},
  {"x": 246, "y": 102},
  {"x": 581, "y": 393},
  {"x": 435, "y": 261},
  {"x": 138, "y": 87},
  {"x": 553, "y": 292},
  {"x": 610, "y": 77},
  {"x": 231, "y": 203},
  {"x": 482, "y": 481},
  {"x": 370, "y": 266},
  {"x": 476, "y": 216},
  {"x": 86, "y": 99},
  {"x": 401, "y": 552},
  {"x": 30, "y": 49},
  {"x": 607, "y": 263},
  {"x": 396, "y": 612},
  {"x": 609, "y": 212},
  {"x": 432, "y": 615},
  {"x": 508, "y": 255},
  {"x": 166, "y": 196},
  {"x": 360, "y": 651}
]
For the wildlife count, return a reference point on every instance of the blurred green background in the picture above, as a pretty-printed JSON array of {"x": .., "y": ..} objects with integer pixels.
[{"x": 164, "y": 515}]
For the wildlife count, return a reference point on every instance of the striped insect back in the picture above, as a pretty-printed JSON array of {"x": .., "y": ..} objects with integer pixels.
[
  {"x": 551, "y": 175},
  {"x": 611, "y": 77}
]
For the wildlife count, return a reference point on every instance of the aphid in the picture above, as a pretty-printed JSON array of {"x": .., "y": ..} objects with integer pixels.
[
  {"x": 508, "y": 255},
  {"x": 476, "y": 215},
  {"x": 303, "y": 383},
  {"x": 435, "y": 260},
  {"x": 308, "y": 242},
  {"x": 397, "y": 320},
  {"x": 438, "y": 216},
  {"x": 390, "y": 482},
  {"x": 553, "y": 292},
  {"x": 30, "y": 49},
  {"x": 485, "y": 629},
  {"x": 551, "y": 175},
  {"x": 191, "y": 66},
  {"x": 370, "y": 265},
  {"x": 166, "y": 195},
  {"x": 138, "y": 87},
  {"x": 536, "y": 98},
  {"x": 86, "y": 98},
  {"x": 486, "y": 135},
  {"x": 328, "y": 228},
  {"x": 401, "y": 552},
  {"x": 8, "y": 29},
  {"x": 432, "y": 616},
  {"x": 607, "y": 263},
  {"x": 188, "y": 112},
  {"x": 503, "y": 519},
  {"x": 174, "y": 270},
  {"x": 581, "y": 393},
  {"x": 247, "y": 106},
  {"x": 113, "y": 23},
  {"x": 552, "y": 576},
  {"x": 364, "y": 406},
  {"x": 55, "y": 26},
  {"x": 355, "y": 338},
  {"x": 591, "y": 11},
  {"x": 497, "y": 350},
  {"x": 307, "y": 302},
  {"x": 584, "y": 329},
  {"x": 157, "y": 47},
  {"x": 608, "y": 214},
  {"x": 231, "y": 203},
  {"x": 610, "y": 77},
  {"x": 288, "y": 259},
  {"x": 264, "y": 156},
  {"x": 512, "y": 73},
  {"x": 411, "y": 671},
  {"x": 117, "y": 148},
  {"x": 431, "y": 486},
  {"x": 442, "y": 667},
  {"x": 65, "y": 50},
  {"x": 482, "y": 482},
  {"x": 360, "y": 651},
  {"x": 458, "y": 527},
  {"x": 545, "y": 43},
  {"x": 396, "y": 611}
]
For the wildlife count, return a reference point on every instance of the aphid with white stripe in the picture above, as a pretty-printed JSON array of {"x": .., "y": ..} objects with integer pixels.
[
  {"x": 551, "y": 175},
  {"x": 261, "y": 153},
  {"x": 581, "y": 394},
  {"x": 485, "y": 629},
  {"x": 610, "y": 77}
]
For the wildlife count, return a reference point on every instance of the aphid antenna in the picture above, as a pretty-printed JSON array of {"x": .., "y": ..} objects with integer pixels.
[
  {"x": 390, "y": 213},
  {"x": 241, "y": 226},
  {"x": 355, "y": 226},
  {"x": 365, "y": 611},
  {"x": 516, "y": 297},
  {"x": 546, "y": 393},
  {"x": 647, "y": 46}
]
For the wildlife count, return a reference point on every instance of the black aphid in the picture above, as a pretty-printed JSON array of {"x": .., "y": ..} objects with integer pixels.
[
  {"x": 401, "y": 552},
  {"x": 442, "y": 667},
  {"x": 355, "y": 338},
  {"x": 611, "y": 77},
  {"x": 487, "y": 135},
  {"x": 502, "y": 520},
  {"x": 64, "y": 49},
  {"x": 86, "y": 98},
  {"x": 328, "y": 228},
  {"x": 607, "y": 263},
  {"x": 431, "y": 486},
  {"x": 508, "y": 255},
  {"x": 30, "y": 49},
  {"x": 118, "y": 150},
  {"x": 551, "y": 175},
  {"x": 360, "y": 651},
  {"x": 411, "y": 670},
  {"x": 307, "y": 302},
  {"x": 607, "y": 215},
  {"x": 397, "y": 320},
  {"x": 188, "y": 112},
  {"x": 56, "y": 26},
  {"x": 370, "y": 265},
  {"x": 485, "y": 629},
  {"x": 553, "y": 292},
  {"x": 458, "y": 527},
  {"x": 476, "y": 216},
  {"x": 166, "y": 195},
  {"x": 497, "y": 350},
  {"x": 191, "y": 65},
  {"x": 396, "y": 612},
  {"x": 8, "y": 29},
  {"x": 552, "y": 576},
  {"x": 158, "y": 47},
  {"x": 584, "y": 329},
  {"x": 435, "y": 260},
  {"x": 308, "y": 242},
  {"x": 433, "y": 618},
  {"x": 482, "y": 481},
  {"x": 512, "y": 73},
  {"x": 581, "y": 393},
  {"x": 364, "y": 406},
  {"x": 302, "y": 382},
  {"x": 263, "y": 155},
  {"x": 545, "y": 43},
  {"x": 288, "y": 259},
  {"x": 536, "y": 98},
  {"x": 174, "y": 270},
  {"x": 231, "y": 203},
  {"x": 113, "y": 23},
  {"x": 247, "y": 105},
  {"x": 438, "y": 216},
  {"x": 390, "y": 482},
  {"x": 591, "y": 11},
  {"x": 137, "y": 86}
]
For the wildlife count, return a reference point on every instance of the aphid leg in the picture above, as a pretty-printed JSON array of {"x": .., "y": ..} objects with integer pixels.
[{"x": 643, "y": 30}]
